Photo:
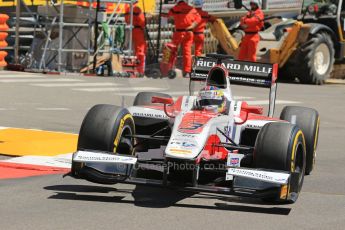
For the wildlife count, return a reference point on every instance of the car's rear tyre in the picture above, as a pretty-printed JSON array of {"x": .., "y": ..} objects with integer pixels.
[
  {"x": 308, "y": 120},
  {"x": 281, "y": 146},
  {"x": 106, "y": 128},
  {"x": 145, "y": 98}
]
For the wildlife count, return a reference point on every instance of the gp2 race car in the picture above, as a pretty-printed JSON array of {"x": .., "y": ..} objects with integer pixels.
[{"x": 207, "y": 142}]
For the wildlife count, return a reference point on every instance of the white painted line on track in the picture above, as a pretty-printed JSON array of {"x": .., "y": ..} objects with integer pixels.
[
  {"x": 118, "y": 89},
  {"x": 62, "y": 161},
  {"x": 19, "y": 77},
  {"x": 242, "y": 98},
  {"x": 96, "y": 84},
  {"x": 38, "y": 80},
  {"x": 7, "y": 109},
  {"x": 53, "y": 109},
  {"x": 266, "y": 102}
]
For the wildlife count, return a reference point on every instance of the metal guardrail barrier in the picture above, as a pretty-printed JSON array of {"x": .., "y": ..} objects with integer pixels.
[{"x": 216, "y": 7}]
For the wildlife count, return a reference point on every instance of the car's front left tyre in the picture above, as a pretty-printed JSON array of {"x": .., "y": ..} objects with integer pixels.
[{"x": 281, "y": 146}]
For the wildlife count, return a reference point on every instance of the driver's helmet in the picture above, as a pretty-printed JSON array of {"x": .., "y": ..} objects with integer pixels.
[{"x": 212, "y": 98}]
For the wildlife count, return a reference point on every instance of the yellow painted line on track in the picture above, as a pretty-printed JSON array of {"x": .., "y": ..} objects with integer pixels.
[{"x": 24, "y": 142}]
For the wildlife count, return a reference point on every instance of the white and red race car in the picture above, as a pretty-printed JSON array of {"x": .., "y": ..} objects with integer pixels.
[{"x": 207, "y": 142}]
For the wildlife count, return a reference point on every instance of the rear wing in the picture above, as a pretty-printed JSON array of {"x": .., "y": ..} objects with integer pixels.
[{"x": 240, "y": 73}]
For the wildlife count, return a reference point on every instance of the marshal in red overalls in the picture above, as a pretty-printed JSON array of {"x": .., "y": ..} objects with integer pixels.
[
  {"x": 199, "y": 36},
  {"x": 186, "y": 18},
  {"x": 138, "y": 35},
  {"x": 252, "y": 24}
]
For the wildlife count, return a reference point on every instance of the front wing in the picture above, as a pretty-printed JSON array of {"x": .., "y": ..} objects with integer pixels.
[{"x": 110, "y": 168}]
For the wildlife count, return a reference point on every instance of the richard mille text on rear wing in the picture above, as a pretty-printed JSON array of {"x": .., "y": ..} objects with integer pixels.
[{"x": 242, "y": 73}]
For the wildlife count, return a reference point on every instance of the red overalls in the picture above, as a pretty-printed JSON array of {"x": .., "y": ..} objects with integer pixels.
[
  {"x": 252, "y": 23},
  {"x": 184, "y": 16},
  {"x": 138, "y": 35},
  {"x": 199, "y": 36}
]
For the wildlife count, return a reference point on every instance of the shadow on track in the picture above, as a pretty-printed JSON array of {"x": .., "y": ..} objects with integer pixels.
[
  {"x": 152, "y": 197},
  {"x": 82, "y": 188}
]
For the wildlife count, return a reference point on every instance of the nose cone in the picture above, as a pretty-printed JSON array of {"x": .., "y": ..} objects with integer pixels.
[{"x": 185, "y": 145}]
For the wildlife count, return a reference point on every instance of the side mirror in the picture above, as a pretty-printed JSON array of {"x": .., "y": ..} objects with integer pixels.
[
  {"x": 165, "y": 101},
  {"x": 252, "y": 109},
  {"x": 246, "y": 109},
  {"x": 162, "y": 100}
]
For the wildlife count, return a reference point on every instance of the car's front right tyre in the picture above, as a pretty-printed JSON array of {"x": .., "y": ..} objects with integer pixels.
[{"x": 106, "y": 128}]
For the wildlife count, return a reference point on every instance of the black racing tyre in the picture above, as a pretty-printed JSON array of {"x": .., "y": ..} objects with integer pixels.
[
  {"x": 144, "y": 98},
  {"x": 106, "y": 128},
  {"x": 308, "y": 120},
  {"x": 281, "y": 146},
  {"x": 317, "y": 59}
]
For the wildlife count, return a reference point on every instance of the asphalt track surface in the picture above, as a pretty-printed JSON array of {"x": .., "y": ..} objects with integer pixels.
[{"x": 53, "y": 202}]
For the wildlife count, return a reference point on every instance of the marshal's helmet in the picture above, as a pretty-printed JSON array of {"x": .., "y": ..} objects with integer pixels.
[
  {"x": 257, "y": 2},
  {"x": 198, "y": 3},
  {"x": 212, "y": 98}
]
